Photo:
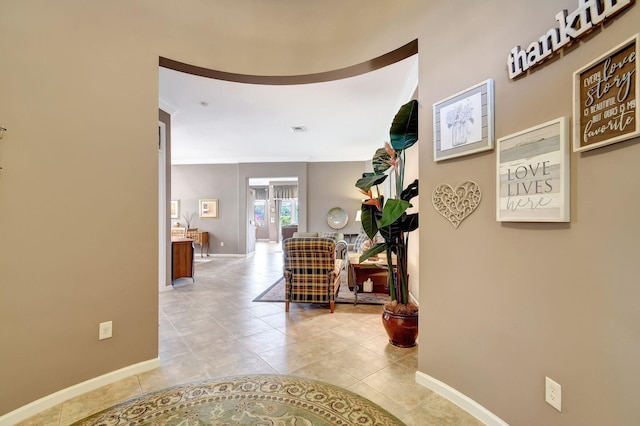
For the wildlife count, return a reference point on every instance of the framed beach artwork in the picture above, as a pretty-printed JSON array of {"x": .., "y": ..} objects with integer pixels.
[
  {"x": 532, "y": 174},
  {"x": 605, "y": 96},
  {"x": 463, "y": 123},
  {"x": 175, "y": 209},
  {"x": 209, "y": 208}
]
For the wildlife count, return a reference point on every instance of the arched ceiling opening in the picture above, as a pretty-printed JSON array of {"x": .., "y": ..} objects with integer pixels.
[{"x": 339, "y": 115}]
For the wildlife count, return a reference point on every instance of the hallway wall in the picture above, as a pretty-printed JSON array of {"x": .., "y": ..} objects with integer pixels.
[{"x": 505, "y": 304}]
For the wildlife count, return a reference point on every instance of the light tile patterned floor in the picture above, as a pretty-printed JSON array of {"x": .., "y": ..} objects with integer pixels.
[{"x": 213, "y": 328}]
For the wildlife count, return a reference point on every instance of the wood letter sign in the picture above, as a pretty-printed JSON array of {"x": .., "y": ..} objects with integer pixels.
[
  {"x": 605, "y": 98},
  {"x": 571, "y": 26}
]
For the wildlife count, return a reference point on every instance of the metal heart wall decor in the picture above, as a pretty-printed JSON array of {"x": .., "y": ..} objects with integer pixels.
[{"x": 456, "y": 204}]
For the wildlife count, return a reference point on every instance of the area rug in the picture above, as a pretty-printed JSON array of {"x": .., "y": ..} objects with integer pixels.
[
  {"x": 275, "y": 293},
  {"x": 247, "y": 400}
]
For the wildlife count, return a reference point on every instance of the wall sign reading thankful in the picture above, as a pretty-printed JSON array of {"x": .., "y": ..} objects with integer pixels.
[
  {"x": 605, "y": 94},
  {"x": 571, "y": 27}
]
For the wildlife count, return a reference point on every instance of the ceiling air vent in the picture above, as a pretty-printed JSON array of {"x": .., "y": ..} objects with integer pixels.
[{"x": 298, "y": 129}]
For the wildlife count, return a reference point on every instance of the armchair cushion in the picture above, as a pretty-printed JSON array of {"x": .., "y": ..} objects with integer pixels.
[
  {"x": 335, "y": 235},
  {"x": 360, "y": 239},
  {"x": 304, "y": 234},
  {"x": 363, "y": 239}
]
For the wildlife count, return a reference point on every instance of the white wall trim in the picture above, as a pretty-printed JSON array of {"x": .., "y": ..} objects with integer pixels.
[
  {"x": 413, "y": 299},
  {"x": 63, "y": 395},
  {"x": 460, "y": 399}
]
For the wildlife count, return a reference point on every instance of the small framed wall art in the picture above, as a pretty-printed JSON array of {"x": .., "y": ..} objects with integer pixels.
[
  {"x": 463, "y": 123},
  {"x": 532, "y": 174},
  {"x": 209, "y": 208},
  {"x": 175, "y": 209},
  {"x": 605, "y": 96}
]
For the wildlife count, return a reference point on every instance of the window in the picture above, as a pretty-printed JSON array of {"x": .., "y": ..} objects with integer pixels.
[
  {"x": 259, "y": 212},
  {"x": 289, "y": 212}
]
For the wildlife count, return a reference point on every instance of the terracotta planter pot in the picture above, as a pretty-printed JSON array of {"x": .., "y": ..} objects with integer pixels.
[{"x": 402, "y": 329}]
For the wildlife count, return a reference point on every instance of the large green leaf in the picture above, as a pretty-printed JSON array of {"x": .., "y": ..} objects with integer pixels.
[
  {"x": 369, "y": 222},
  {"x": 409, "y": 222},
  {"x": 410, "y": 191},
  {"x": 368, "y": 180},
  {"x": 404, "y": 129},
  {"x": 391, "y": 234},
  {"x": 392, "y": 211},
  {"x": 380, "y": 161},
  {"x": 376, "y": 249}
]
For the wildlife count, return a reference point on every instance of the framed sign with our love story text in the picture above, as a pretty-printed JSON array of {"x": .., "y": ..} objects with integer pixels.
[{"x": 606, "y": 93}]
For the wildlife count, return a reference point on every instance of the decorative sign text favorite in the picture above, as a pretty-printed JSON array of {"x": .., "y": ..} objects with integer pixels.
[{"x": 605, "y": 98}]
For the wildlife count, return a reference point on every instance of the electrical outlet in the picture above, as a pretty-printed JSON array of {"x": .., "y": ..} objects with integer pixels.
[
  {"x": 553, "y": 394},
  {"x": 106, "y": 330},
  {"x": 221, "y": 243}
]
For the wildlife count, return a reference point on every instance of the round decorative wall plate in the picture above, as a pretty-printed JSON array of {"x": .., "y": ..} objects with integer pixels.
[{"x": 337, "y": 218}]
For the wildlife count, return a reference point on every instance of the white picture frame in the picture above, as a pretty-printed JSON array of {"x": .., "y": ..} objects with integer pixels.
[
  {"x": 208, "y": 208},
  {"x": 463, "y": 123},
  {"x": 175, "y": 209},
  {"x": 532, "y": 174}
]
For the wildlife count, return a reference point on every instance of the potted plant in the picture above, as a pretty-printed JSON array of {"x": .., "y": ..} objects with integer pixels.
[{"x": 389, "y": 218}]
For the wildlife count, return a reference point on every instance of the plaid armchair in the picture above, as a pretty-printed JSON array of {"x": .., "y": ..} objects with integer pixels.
[{"x": 311, "y": 270}]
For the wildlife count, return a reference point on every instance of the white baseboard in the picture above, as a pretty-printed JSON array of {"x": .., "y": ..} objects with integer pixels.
[
  {"x": 460, "y": 399},
  {"x": 63, "y": 395}
]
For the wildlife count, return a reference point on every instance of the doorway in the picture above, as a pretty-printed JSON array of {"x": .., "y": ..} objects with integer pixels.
[{"x": 275, "y": 205}]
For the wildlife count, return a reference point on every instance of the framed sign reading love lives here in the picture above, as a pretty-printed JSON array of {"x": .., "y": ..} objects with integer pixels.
[
  {"x": 605, "y": 96},
  {"x": 533, "y": 174}
]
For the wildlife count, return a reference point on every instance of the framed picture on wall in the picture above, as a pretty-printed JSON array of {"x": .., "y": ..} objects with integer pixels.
[
  {"x": 175, "y": 209},
  {"x": 532, "y": 174},
  {"x": 209, "y": 208},
  {"x": 463, "y": 123},
  {"x": 605, "y": 96}
]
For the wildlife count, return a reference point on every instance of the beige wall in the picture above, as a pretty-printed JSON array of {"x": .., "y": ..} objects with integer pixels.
[
  {"x": 502, "y": 305},
  {"x": 505, "y": 304},
  {"x": 333, "y": 185},
  {"x": 190, "y": 183},
  {"x": 322, "y": 185},
  {"x": 78, "y": 196}
]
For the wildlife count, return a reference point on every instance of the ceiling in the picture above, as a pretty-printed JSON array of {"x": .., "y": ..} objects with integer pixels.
[{"x": 216, "y": 121}]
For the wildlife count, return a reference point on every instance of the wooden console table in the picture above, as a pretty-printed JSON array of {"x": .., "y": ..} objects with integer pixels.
[
  {"x": 202, "y": 238},
  {"x": 182, "y": 258},
  {"x": 199, "y": 237},
  {"x": 360, "y": 272}
]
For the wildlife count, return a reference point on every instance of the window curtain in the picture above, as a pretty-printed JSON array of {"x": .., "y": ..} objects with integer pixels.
[
  {"x": 261, "y": 193},
  {"x": 285, "y": 192}
]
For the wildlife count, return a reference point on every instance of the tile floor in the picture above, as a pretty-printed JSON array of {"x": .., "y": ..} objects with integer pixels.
[{"x": 213, "y": 328}]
